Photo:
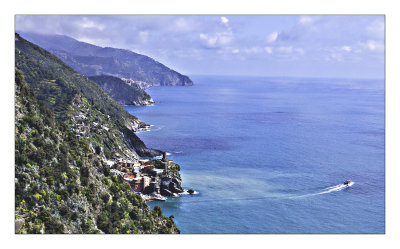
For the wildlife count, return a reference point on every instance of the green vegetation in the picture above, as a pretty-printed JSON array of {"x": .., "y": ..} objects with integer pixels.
[
  {"x": 75, "y": 99},
  {"x": 158, "y": 211},
  {"x": 54, "y": 81},
  {"x": 157, "y": 163},
  {"x": 177, "y": 167},
  {"x": 61, "y": 185},
  {"x": 122, "y": 92}
]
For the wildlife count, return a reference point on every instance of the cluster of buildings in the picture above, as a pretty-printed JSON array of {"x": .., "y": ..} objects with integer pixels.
[
  {"x": 141, "y": 84},
  {"x": 81, "y": 129},
  {"x": 141, "y": 175}
]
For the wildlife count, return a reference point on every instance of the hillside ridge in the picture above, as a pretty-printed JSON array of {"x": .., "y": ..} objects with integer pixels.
[{"x": 92, "y": 60}]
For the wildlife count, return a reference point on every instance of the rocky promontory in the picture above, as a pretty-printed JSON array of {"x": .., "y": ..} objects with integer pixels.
[{"x": 125, "y": 93}]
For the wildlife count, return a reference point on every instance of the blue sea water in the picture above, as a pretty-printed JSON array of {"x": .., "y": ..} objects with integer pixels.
[{"x": 268, "y": 155}]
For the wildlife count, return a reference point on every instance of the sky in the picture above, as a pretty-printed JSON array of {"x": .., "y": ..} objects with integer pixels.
[{"x": 338, "y": 46}]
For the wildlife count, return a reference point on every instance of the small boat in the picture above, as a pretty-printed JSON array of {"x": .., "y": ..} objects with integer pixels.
[{"x": 348, "y": 183}]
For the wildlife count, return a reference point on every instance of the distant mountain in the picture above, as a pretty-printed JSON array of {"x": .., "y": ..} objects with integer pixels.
[
  {"x": 92, "y": 60},
  {"x": 122, "y": 92}
]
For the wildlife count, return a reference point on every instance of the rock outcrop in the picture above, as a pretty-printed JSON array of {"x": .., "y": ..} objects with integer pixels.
[
  {"x": 167, "y": 183},
  {"x": 124, "y": 93}
]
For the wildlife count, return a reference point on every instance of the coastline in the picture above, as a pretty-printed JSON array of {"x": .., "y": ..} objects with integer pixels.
[{"x": 156, "y": 197}]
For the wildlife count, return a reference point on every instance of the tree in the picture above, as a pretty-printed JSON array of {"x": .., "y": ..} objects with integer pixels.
[{"x": 158, "y": 211}]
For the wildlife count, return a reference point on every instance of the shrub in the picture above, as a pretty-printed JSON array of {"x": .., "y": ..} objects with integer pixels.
[
  {"x": 134, "y": 214},
  {"x": 146, "y": 225},
  {"x": 50, "y": 180},
  {"x": 106, "y": 171},
  {"x": 86, "y": 224},
  {"x": 36, "y": 228},
  {"x": 52, "y": 225},
  {"x": 37, "y": 196},
  {"x": 64, "y": 211},
  {"x": 63, "y": 193},
  {"x": 73, "y": 188},
  {"x": 74, "y": 216},
  {"x": 84, "y": 181},
  {"x": 105, "y": 197},
  {"x": 158, "y": 211},
  {"x": 84, "y": 172}
]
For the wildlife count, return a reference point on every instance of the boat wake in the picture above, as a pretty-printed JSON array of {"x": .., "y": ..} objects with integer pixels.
[{"x": 327, "y": 190}]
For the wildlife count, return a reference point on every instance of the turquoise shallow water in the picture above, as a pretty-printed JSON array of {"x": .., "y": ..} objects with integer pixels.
[{"x": 268, "y": 155}]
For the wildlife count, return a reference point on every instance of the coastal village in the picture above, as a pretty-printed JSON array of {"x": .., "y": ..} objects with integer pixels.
[{"x": 152, "y": 179}]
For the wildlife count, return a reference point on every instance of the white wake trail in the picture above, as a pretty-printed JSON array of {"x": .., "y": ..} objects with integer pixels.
[{"x": 327, "y": 190}]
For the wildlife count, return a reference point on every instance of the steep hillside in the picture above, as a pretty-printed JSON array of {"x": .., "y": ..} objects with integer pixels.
[
  {"x": 80, "y": 103},
  {"x": 61, "y": 185},
  {"x": 92, "y": 60},
  {"x": 122, "y": 92}
]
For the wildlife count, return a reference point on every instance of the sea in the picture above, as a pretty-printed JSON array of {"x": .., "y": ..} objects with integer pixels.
[{"x": 270, "y": 155}]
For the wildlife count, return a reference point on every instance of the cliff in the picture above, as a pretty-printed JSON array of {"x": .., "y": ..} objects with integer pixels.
[
  {"x": 92, "y": 60},
  {"x": 123, "y": 93}
]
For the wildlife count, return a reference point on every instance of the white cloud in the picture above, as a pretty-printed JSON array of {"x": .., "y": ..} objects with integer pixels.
[
  {"x": 336, "y": 56},
  {"x": 224, "y": 20},
  {"x": 376, "y": 29},
  {"x": 288, "y": 49},
  {"x": 300, "y": 51},
  {"x": 256, "y": 50},
  {"x": 211, "y": 41},
  {"x": 221, "y": 36},
  {"x": 98, "y": 41},
  {"x": 373, "y": 45},
  {"x": 346, "y": 48},
  {"x": 86, "y": 23},
  {"x": 216, "y": 40},
  {"x": 224, "y": 38},
  {"x": 305, "y": 20},
  {"x": 268, "y": 50},
  {"x": 272, "y": 37},
  {"x": 370, "y": 46},
  {"x": 143, "y": 36},
  {"x": 253, "y": 50},
  {"x": 182, "y": 25}
]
